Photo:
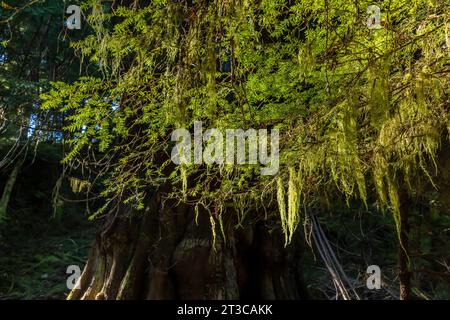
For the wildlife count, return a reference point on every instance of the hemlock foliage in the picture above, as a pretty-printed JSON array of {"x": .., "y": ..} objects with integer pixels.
[{"x": 360, "y": 110}]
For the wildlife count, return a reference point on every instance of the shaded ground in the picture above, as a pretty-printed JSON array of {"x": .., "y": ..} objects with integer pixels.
[{"x": 36, "y": 268}]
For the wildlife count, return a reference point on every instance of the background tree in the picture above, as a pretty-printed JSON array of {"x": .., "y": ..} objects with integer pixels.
[{"x": 34, "y": 51}]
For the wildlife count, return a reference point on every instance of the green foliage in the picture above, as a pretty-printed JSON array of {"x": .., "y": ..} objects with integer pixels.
[{"x": 358, "y": 109}]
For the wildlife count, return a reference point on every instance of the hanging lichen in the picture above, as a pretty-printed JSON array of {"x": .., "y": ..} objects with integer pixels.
[
  {"x": 78, "y": 185},
  {"x": 282, "y": 208}
]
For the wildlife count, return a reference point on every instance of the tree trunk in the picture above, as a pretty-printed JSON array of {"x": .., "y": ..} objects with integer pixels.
[
  {"x": 4, "y": 201},
  {"x": 163, "y": 253}
]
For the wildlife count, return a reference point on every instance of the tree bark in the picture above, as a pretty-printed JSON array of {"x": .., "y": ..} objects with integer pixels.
[
  {"x": 4, "y": 201},
  {"x": 163, "y": 253}
]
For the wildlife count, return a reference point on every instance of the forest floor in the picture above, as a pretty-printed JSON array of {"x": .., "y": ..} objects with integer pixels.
[{"x": 35, "y": 268}]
